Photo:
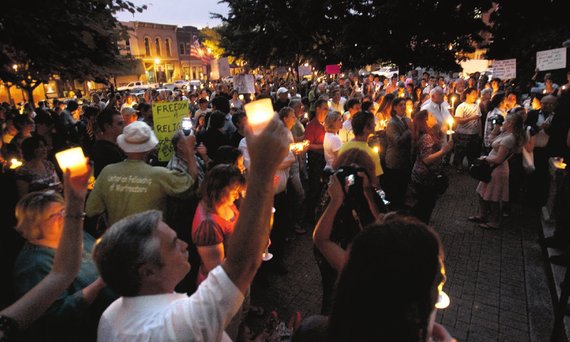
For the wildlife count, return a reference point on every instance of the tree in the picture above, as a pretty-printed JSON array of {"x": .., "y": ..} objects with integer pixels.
[
  {"x": 75, "y": 39},
  {"x": 353, "y": 32},
  {"x": 519, "y": 31}
]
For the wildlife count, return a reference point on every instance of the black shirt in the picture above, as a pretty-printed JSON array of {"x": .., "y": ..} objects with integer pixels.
[{"x": 104, "y": 153}]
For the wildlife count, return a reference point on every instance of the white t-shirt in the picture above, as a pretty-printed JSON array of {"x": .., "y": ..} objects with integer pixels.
[
  {"x": 346, "y": 134},
  {"x": 174, "y": 316},
  {"x": 466, "y": 110},
  {"x": 331, "y": 145}
]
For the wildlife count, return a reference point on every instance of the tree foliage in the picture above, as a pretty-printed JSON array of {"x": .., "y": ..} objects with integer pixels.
[
  {"x": 519, "y": 31},
  {"x": 76, "y": 39},
  {"x": 353, "y": 32}
]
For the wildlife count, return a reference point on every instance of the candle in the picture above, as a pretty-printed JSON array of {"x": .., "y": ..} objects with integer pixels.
[
  {"x": 453, "y": 102},
  {"x": 72, "y": 159},
  {"x": 442, "y": 300},
  {"x": 306, "y": 115},
  {"x": 240, "y": 97},
  {"x": 478, "y": 101},
  {"x": 15, "y": 163},
  {"x": 450, "y": 127},
  {"x": 376, "y": 149},
  {"x": 266, "y": 256},
  {"x": 259, "y": 113}
]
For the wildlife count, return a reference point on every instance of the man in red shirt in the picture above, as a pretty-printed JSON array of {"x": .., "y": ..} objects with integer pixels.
[{"x": 315, "y": 133}]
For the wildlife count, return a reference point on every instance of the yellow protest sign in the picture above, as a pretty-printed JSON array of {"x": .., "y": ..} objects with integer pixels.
[{"x": 167, "y": 117}]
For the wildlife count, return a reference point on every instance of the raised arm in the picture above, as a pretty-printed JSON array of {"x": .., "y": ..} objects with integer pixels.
[
  {"x": 251, "y": 233},
  {"x": 67, "y": 258},
  {"x": 332, "y": 252}
]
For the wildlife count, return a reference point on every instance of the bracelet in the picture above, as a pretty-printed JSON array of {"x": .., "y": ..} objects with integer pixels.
[{"x": 77, "y": 217}]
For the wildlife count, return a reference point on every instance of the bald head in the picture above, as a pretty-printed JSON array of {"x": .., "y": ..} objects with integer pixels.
[{"x": 548, "y": 102}]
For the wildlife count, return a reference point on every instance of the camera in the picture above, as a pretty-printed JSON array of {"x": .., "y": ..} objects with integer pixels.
[
  {"x": 497, "y": 119},
  {"x": 348, "y": 177}
]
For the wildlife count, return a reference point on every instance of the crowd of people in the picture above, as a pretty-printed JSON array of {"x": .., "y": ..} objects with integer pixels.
[{"x": 361, "y": 160}]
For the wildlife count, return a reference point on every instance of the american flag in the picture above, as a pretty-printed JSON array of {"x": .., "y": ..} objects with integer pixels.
[{"x": 197, "y": 51}]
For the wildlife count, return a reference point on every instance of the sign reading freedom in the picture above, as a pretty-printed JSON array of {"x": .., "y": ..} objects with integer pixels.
[{"x": 167, "y": 117}]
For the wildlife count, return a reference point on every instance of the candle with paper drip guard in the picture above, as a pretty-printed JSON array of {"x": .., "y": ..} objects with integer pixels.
[
  {"x": 450, "y": 130},
  {"x": 266, "y": 256},
  {"x": 259, "y": 114},
  {"x": 299, "y": 146},
  {"x": 72, "y": 159}
]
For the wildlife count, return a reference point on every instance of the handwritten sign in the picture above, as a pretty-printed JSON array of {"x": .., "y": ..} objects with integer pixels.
[
  {"x": 551, "y": 59},
  {"x": 244, "y": 83},
  {"x": 224, "y": 67},
  {"x": 304, "y": 70},
  {"x": 167, "y": 122},
  {"x": 332, "y": 69},
  {"x": 505, "y": 69}
]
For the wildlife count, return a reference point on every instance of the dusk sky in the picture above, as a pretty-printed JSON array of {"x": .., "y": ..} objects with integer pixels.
[{"x": 177, "y": 12}]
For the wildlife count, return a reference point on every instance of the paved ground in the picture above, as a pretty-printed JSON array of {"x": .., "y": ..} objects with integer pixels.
[{"x": 496, "y": 279}]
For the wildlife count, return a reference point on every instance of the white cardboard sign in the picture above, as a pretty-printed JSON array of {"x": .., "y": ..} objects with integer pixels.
[
  {"x": 505, "y": 69},
  {"x": 551, "y": 59}
]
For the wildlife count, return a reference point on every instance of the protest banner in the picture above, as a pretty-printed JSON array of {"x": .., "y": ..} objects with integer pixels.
[
  {"x": 167, "y": 117},
  {"x": 505, "y": 69},
  {"x": 551, "y": 59},
  {"x": 224, "y": 67},
  {"x": 332, "y": 69},
  {"x": 244, "y": 83}
]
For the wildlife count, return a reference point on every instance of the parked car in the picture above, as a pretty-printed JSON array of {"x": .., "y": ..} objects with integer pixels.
[{"x": 137, "y": 85}]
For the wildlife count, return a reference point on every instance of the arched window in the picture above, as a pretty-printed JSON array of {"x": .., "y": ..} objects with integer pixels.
[
  {"x": 167, "y": 48},
  {"x": 181, "y": 49},
  {"x": 147, "y": 46},
  {"x": 157, "y": 46}
]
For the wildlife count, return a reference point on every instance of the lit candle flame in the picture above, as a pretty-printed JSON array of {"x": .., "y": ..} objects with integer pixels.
[
  {"x": 259, "y": 114},
  {"x": 442, "y": 298},
  {"x": 376, "y": 149},
  {"x": 72, "y": 159},
  {"x": 240, "y": 97},
  {"x": 450, "y": 123},
  {"x": 15, "y": 163}
]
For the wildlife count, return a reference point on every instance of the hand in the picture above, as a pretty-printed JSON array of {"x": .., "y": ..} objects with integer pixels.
[
  {"x": 335, "y": 190},
  {"x": 482, "y": 158},
  {"x": 187, "y": 144},
  {"x": 440, "y": 334},
  {"x": 267, "y": 149},
  {"x": 76, "y": 186},
  {"x": 447, "y": 147}
]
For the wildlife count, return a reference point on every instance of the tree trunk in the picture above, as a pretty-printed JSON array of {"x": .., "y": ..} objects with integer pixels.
[{"x": 30, "y": 93}]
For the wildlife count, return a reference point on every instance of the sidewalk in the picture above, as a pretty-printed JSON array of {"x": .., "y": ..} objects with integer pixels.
[{"x": 496, "y": 279}]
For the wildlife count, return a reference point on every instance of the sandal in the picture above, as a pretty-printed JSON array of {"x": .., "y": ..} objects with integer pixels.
[
  {"x": 488, "y": 226},
  {"x": 476, "y": 219}
]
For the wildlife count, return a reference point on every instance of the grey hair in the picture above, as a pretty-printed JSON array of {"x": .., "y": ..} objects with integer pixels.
[
  {"x": 331, "y": 117},
  {"x": 436, "y": 90},
  {"x": 126, "y": 246},
  {"x": 295, "y": 103}
]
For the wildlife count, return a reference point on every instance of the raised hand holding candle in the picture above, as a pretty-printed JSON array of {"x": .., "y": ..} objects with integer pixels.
[
  {"x": 74, "y": 160},
  {"x": 15, "y": 163},
  {"x": 259, "y": 114}
]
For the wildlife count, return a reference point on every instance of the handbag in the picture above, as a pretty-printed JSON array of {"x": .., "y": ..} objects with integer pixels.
[
  {"x": 481, "y": 171},
  {"x": 440, "y": 182}
]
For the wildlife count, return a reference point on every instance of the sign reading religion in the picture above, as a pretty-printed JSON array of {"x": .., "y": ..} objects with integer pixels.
[
  {"x": 505, "y": 69},
  {"x": 167, "y": 117},
  {"x": 551, "y": 59}
]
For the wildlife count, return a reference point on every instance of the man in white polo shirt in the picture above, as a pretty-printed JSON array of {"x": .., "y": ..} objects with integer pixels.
[{"x": 142, "y": 259}]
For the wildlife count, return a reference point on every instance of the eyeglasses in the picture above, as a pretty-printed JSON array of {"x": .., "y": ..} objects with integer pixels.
[{"x": 60, "y": 213}]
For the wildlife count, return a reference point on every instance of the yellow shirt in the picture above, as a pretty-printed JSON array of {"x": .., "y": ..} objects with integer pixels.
[{"x": 364, "y": 147}]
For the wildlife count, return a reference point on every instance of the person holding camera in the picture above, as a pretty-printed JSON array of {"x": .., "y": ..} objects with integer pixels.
[
  {"x": 497, "y": 113},
  {"x": 389, "y": 282},
  {"x": 344, "y": 216},
  {"x": 428, "y": 181},
  {"x": 506, "y": 139}
]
